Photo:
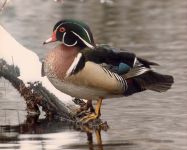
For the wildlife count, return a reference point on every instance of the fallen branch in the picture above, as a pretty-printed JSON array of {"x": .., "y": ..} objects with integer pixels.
[
  {"x": 34, "y": 93},
  {"x": 23, "y": 69}
]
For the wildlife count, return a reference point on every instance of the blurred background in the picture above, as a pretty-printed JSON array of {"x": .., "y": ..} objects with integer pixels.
[{"x": 155, "y": 30}]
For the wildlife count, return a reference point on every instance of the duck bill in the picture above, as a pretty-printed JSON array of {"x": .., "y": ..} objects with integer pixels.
[{"x": 51, "y": 39}]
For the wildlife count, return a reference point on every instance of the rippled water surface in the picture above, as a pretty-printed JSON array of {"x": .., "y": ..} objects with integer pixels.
[{"x": 155, "y": 30}]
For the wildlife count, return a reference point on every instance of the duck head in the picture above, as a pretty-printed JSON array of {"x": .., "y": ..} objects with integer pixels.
[{"x": 72, "y": 33}]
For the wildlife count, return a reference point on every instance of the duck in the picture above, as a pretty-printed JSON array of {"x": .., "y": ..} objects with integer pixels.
[{"x": 83, "y": 69}]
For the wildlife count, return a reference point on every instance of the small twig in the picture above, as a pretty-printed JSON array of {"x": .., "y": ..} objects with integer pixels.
[
  {"x": 13, "y": 64},
  {"x": 3, "y": 5}
]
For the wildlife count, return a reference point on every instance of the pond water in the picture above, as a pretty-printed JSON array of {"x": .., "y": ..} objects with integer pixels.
[{"x": 155, "y": 30}]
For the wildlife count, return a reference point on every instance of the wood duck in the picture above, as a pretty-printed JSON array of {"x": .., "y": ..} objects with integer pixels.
[{"x": 82, "y": 69}]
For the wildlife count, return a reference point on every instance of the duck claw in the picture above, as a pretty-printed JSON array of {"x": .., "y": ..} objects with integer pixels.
[{"x": 89, "y": 117}]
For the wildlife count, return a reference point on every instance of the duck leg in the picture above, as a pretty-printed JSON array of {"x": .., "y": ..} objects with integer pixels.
[
  {"x": 94, "y": 115},
  {"x": 85, "y": 106},
  {"x": 98, "y": 137},
  {"x": 90, "y": 106}
]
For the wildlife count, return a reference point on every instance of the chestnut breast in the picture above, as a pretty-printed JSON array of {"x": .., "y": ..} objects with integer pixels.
[{"x": 58, "y": 61}]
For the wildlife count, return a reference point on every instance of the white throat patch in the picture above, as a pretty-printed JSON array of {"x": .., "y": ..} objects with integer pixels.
[{"x": 63, "y": 40}]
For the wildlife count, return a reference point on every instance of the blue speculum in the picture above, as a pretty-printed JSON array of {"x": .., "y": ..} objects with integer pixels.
[{"x": 123, "y": 68}]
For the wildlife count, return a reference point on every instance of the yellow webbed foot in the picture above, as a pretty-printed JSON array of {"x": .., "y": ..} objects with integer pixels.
[{"x": 94, "y": 115}]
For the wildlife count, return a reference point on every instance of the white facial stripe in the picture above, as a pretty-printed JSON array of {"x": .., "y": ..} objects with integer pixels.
[
  {"x": 85, "y": 42},
  {"x": 85, "y": 31},
  {"x": 63, "y": 37},
  {"x": 78, "y": 25},
  {"x": 87, "y": 34},
  {"x": 89, "y": 45},
  {"x": 63, "y": 40},
  {"x": 58, "y": 26}
]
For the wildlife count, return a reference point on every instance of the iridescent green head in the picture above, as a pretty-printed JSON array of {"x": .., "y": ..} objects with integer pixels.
[{"x": 72, "y": 33}]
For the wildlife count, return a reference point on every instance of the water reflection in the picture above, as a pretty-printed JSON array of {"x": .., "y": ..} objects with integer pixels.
[
  {"x": 43, "y": 132},
  {"x": 35, "y": 129}
]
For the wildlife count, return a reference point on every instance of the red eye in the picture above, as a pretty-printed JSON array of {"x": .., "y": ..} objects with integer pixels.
[{"x": 62, "y": 29}]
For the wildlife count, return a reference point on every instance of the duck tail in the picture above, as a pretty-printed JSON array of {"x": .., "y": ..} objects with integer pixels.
[
  {"x": 149, "y": 80},
  {"x": 154, "y": 81}
]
